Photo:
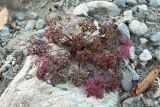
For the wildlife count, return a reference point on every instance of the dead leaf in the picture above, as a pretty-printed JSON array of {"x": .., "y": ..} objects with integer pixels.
[
  {"x": 3, "y": 17},
  {"x": 144, "y": 84}
]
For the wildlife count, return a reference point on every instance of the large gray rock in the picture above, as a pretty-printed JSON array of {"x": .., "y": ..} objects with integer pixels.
[
  {"x": 31, "y": 92},
  {"x": 83, "y": 9},
  {"x": 138, "y": 28}
]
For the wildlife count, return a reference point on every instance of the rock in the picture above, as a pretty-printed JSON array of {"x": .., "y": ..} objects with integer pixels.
[
  {"x": 40, "y": 24},
  {"x": 40, "y": 33},
  {"x": 158, "y": 3},
  {"x": 20, "y": 16},
  {"x": 153, "y": 3},
  {"x": 135, "y": 75},
  {"x": 132, "y": 53},
  {"x": 143, "y": 41},
  {"x": 32, "y": 16},
  {"x": 25, "y": 52},
  {"x": 83, "y": 9},
  {"x": 151, "y": 16},
  {"x": 2, "y": 69},
  {"x": 5, "y": 35},
  {"x": 149, "y": 103},
  {"x": 7, "y": 65},
  {"x": 127, "y": 15},
  {"x": 132, "y": 102},
  {"x": 13, "y": 63},
  {"x": 124, "y": 30},
  {"x": 126, "y": 85},
  {"x": 138, "y": 28},
  {"x": 121, "y": 3},
  {"x": 142, "y": 7},
  {"x": 131, "y": 2},
  {"x": 126, "y": 82},
  {"x": 145, "y": 55},
  {"x": 35, "y": 92},
  {"x": 155, "y": 37},
  {"x": 21, "y": 23},
  {"x": 157, "y": 55},
  {"x": 30, "y": 25},
  {"x": 142, "y": 1},
  {"x": 139, "y": 13},
  {"x": 17, "y": 53}
]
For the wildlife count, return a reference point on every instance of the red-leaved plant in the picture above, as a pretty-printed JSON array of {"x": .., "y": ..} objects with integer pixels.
[
  {"x": 100, "y": 54},
  {"x": 96, "y": 86}
]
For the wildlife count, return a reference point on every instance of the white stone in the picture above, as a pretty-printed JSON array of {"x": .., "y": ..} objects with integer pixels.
[
  {"x": 145, "y": 55},
  {"x": 127, "y": 15},
  {"x": 143, "y": 7},
  {"x": 138, "y": 28},
  {"x": 83, "y": 9}
]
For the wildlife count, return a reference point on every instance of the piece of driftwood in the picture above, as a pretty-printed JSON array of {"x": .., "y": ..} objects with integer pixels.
[{"x": 144, "y": 84}]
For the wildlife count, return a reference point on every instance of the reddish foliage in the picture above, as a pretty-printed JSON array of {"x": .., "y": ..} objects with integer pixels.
[
  {"x": 154, "y": 87},
  {"x": 99, "y": 53},
  {"x": 124, "y": 47},
  {"x": 44, "y": 64},
  {"x": 78, "y": 77},
  {"x": 105, "y": 60},
  {"x": 37, "y": 47},
  {"x": 96, "y": 86},
  {"x": 54, "y": 33},
  {"x": 88, "y": 25},
  {"x": 76, "y": 44}
]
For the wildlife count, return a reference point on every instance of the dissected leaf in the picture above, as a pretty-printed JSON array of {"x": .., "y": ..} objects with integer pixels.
[
  {"x": 3, "y": 17},
  {"x": 145, "y": 83}
]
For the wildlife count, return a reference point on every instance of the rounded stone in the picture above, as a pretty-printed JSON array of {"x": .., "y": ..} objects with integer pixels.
[
  {"x": 145, "y": 55},
  {"x": 138, "y": 28}
]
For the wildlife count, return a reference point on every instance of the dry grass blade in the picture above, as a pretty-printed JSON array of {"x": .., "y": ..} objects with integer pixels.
[
  {"x": 3, "y": 17},
  {"x": 144, "y": 84}
]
